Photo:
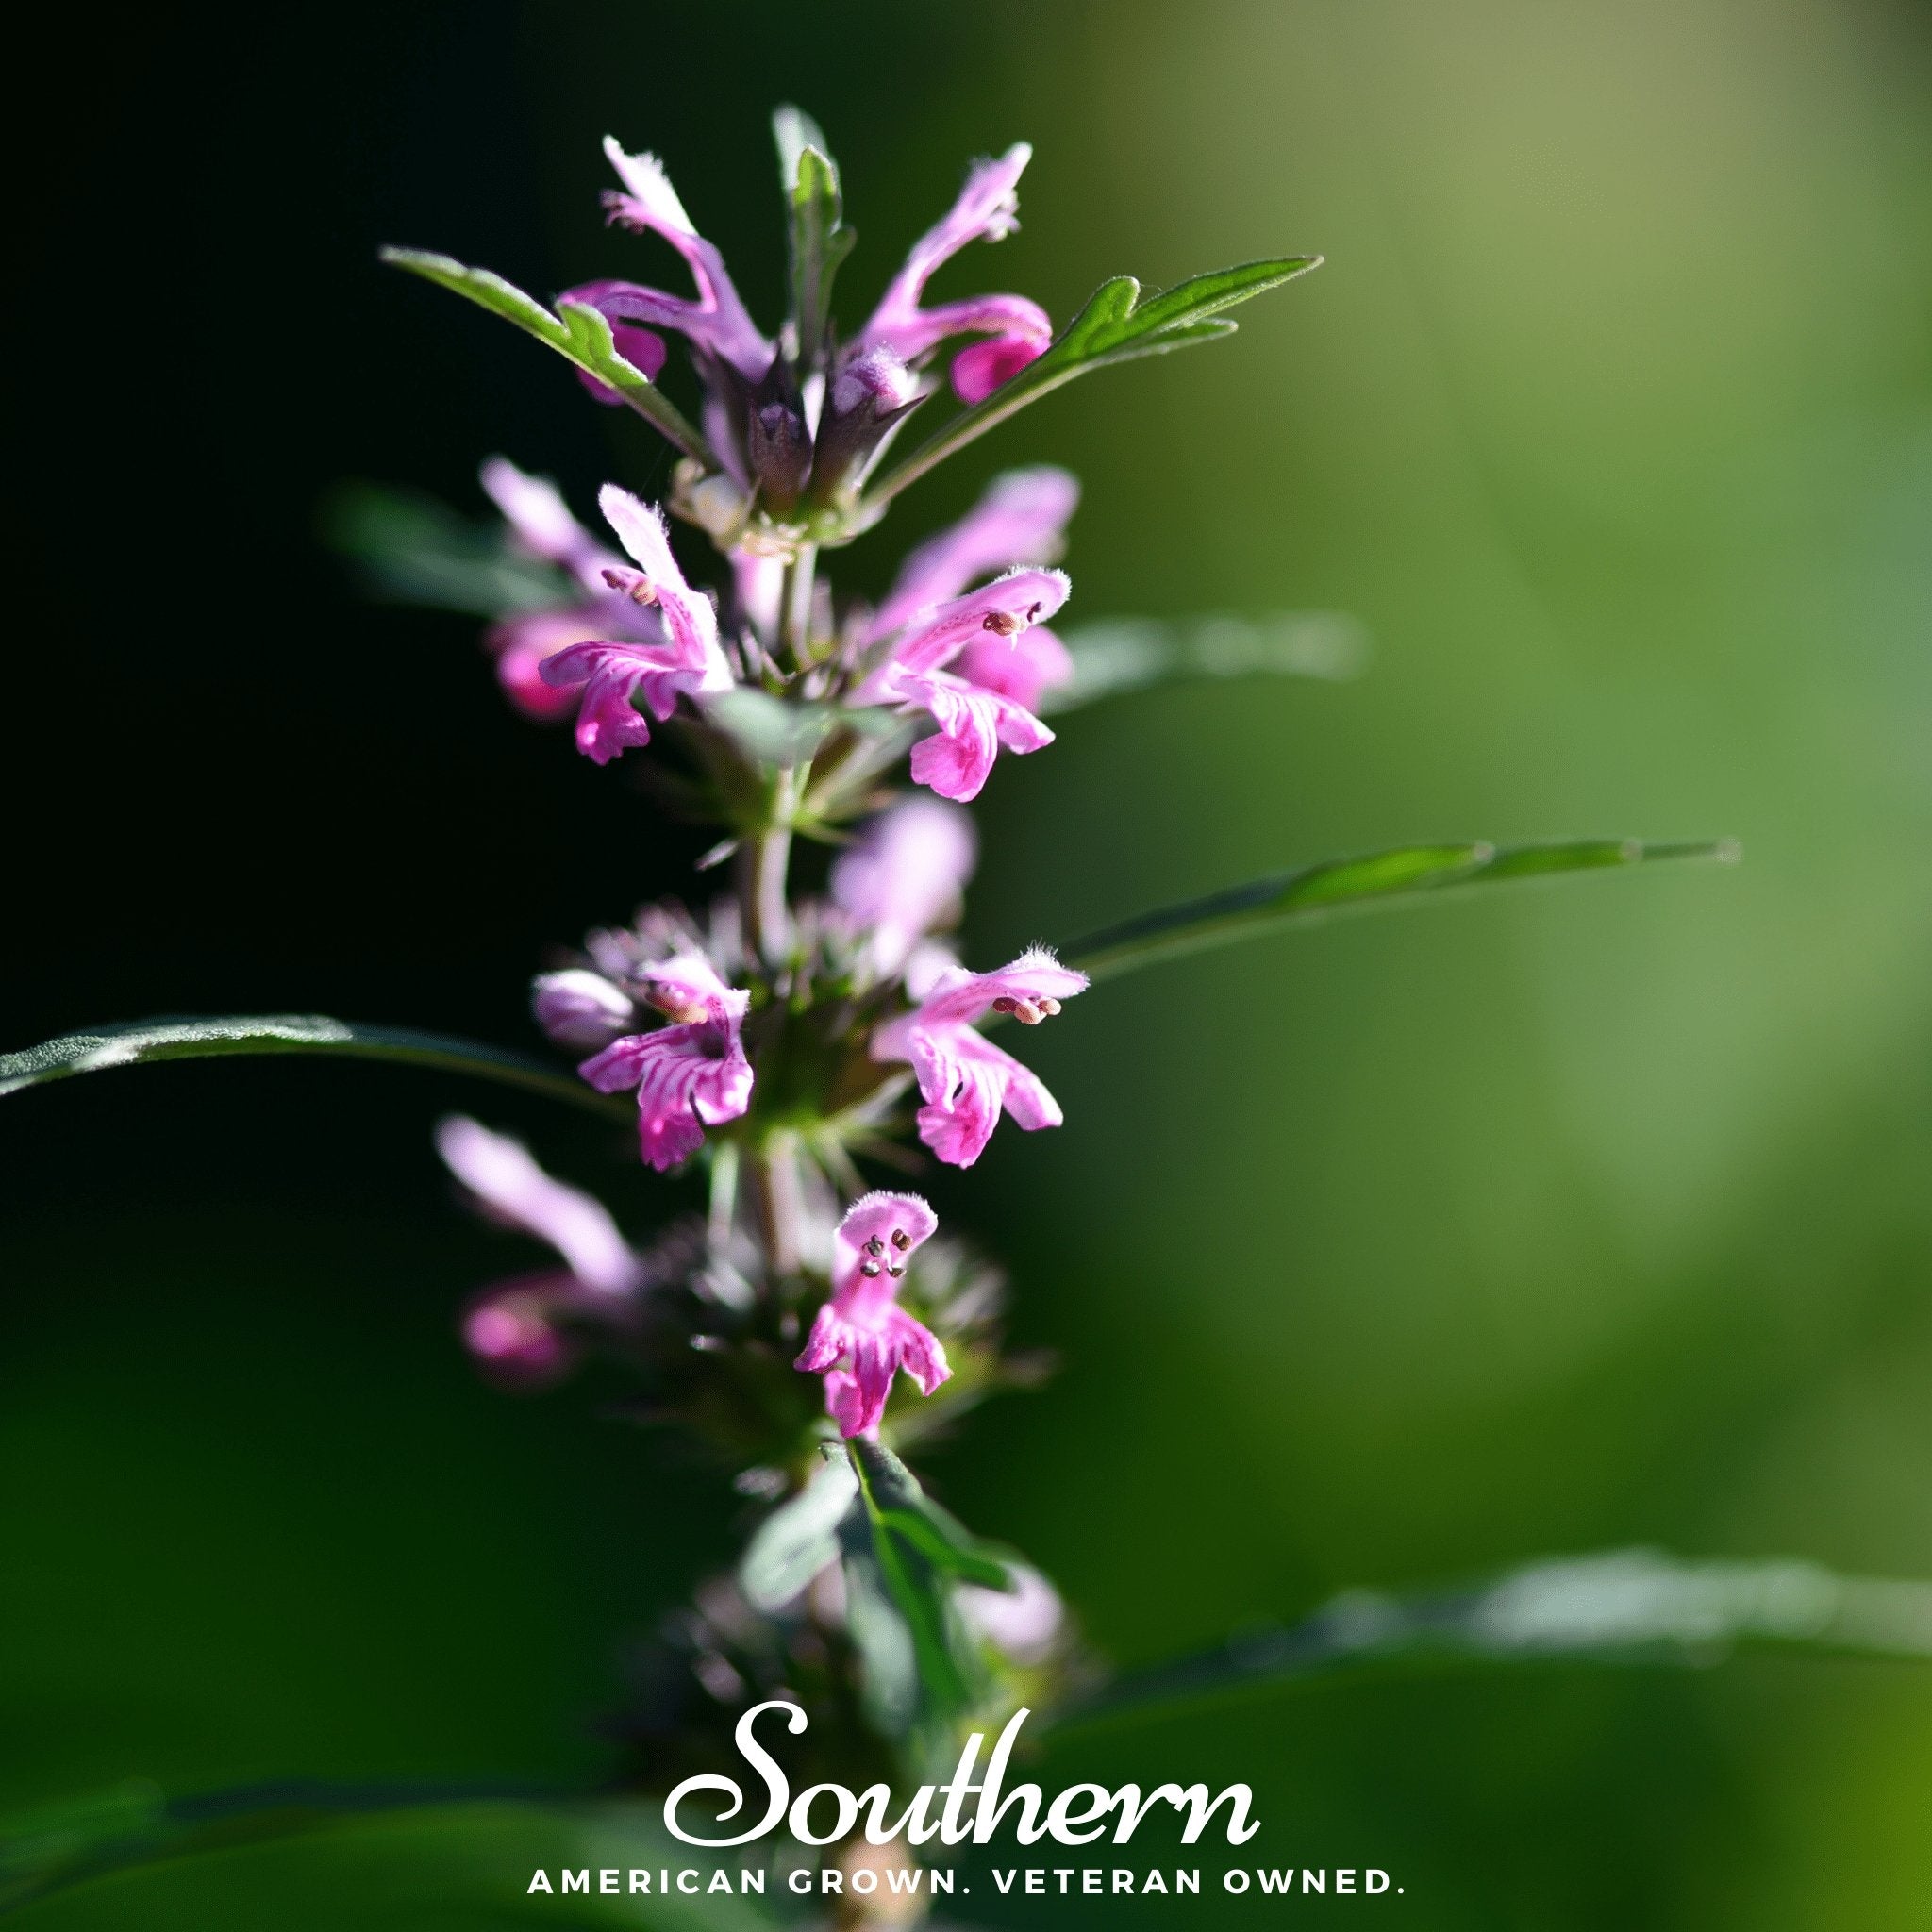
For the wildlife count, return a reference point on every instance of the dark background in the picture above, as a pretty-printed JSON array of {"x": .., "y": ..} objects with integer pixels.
[{"x": 1393, "y": 1252}]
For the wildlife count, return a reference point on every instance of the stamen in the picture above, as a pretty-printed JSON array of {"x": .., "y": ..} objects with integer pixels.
[
  {"x": 895, "y": 1270},
  {"x": 874, "y": 1246},
  {"x": 1048, "y": 1006},
  {"x": 901, "y": 1240},
  {"x": 870, "y": 1269},
  {"x": 1004, "y": 626}
]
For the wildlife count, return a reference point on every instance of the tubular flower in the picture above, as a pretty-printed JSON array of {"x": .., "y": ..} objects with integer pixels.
[
  {"x": 901, "y": 876},
  {"x": 963, "y": 1077},
  {"x": 862, "y": 1337},
  {"x": 1022, "y": 518},
  {"x": 688, "y": 1075},
  {"x": 542, "y": 527},
  {"x": 717, "y": 323},
  {"x": 974, "y": 721},
  {"x": 1017, "y": 329},
  {"x": 683, "y": 655},
  {"x": 511, "y": 1328}
]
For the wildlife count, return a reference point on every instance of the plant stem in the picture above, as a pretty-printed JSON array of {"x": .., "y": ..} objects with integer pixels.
[
  {"x": 723, "y": 1205},
  {"x": 795, "y": 616},
  {"x": 780, "y": 1201}
]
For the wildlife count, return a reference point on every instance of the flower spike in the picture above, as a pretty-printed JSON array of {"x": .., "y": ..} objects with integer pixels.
[{"x": 862, "y": 1337}]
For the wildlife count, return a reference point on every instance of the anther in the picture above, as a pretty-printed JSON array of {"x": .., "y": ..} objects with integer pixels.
[
  {"x": 1001, "y": 624},
  {"x": 895, "y": 1270},
  {"x": 901, "y": 1240},
  {"x": 870, "y": 1269},
  {"x": 874, "y": 1246}
]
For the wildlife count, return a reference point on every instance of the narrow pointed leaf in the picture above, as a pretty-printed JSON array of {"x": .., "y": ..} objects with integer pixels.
[
  {"x": 142, "y": 1042},
  {"x": 1340, "y": 885},
  {"x": 413, "y": 550},
  {"x": 1119, "y": 654},
  {"x": 895, "y": 1498},
  {"x": 578, "y": 333},
  {"x": 910, "y": 1553},
  {"x": 820, "y": 242},
  {"x": 1115, "y": 327},
  {"x": 1616, "y": 1607}
]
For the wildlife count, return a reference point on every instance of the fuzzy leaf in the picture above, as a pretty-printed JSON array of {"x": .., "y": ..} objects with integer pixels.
[
  {"x": 414, "y": 550},
  {"x": 1346, "y": 884},
  {"x": 1619, "y": 1606},
  {"x": 777, "y": 732},
  {"x": 141, "y": 1042},
  {"x": 578, "y": 333},
  {"x": 1119, "y": 654},
  {"x": 894, "y": 1497},
  {"x": 798, "y": 1538},
  {"x": 819, "y": 240},
  {"x": 1115, "y": 327}
]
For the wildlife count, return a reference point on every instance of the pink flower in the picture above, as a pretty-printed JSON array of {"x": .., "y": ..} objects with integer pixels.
[
  {"x": 717, "y": 322},
  {"x": 862, "y": 1337},
  {"x": 581, "y": 1010},
  {"x": 903, "y": 875},
  {"x": 974, "y": 721},
  {"x": 1022, "y": 518},
  {"x": 511, "y": 1328},
  {"x": 1019, "y": 669},
  {"x": 987, "y": 211},
  {"x": 964, "y": 1080},
  {"x": 684, "y": 654},
  {"x": 542, "y": 526},
  {"x": 688, "y": 1075}
]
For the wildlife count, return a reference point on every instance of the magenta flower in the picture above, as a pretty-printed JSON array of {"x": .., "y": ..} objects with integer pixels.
[
  {"x": 717, "y": 323},
  {"x": 542, "y": 526},
  {"x": 511, "y": 1328},
  {"x": 862, "y": 1337},
  {"x": 581, "y": 1010},
  {"x": 1017, "y": 329},
  {"x": 1022, "y": 518},
  {"x": 688, "y": 1075},
  {"x": 901, "y": 877},
  {"x": 975, "y": 723},
  {"x": 963, "y": 1077},
  {"x": 684, "y": 654}
]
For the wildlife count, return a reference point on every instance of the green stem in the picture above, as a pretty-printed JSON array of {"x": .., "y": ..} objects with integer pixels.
[
  {"x": 795, "y": 616},
  {"x": 724, "y": 1203},
  {"x": 780, "y": 1195}
]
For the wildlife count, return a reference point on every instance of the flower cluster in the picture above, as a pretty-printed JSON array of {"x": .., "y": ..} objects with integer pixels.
[
  {"x": 816, "y": 1023},
  {"x": 824, "y": 1002}
]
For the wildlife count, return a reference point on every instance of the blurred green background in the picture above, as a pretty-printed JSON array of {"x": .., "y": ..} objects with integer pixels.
[{"x": 1376, "y": 1255}]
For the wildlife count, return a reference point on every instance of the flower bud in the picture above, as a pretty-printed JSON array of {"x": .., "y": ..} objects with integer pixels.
[{"x": 869, "y": 397}]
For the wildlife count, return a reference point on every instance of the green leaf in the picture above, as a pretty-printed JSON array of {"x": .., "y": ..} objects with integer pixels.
[
  {"x": 895, "y": 1499},
  {"x": 775, "y": 731},
  {"x": 415, "y": 550},
  {"x": 577, "y": 332},
  {"x": 1118, "y": 655},
  {"x": 905, "y": 1565},
  {"x": 1115, "y": 327},
  {"x": 800, "y": 1538},
  {"x": 1616, "y": 1607},
  {"x": 1346, "y": 884},
  {"x": 141, "y": 1042},
  {"x": 819, "y": 241},
  {"x": 305, "y": 1858}
]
